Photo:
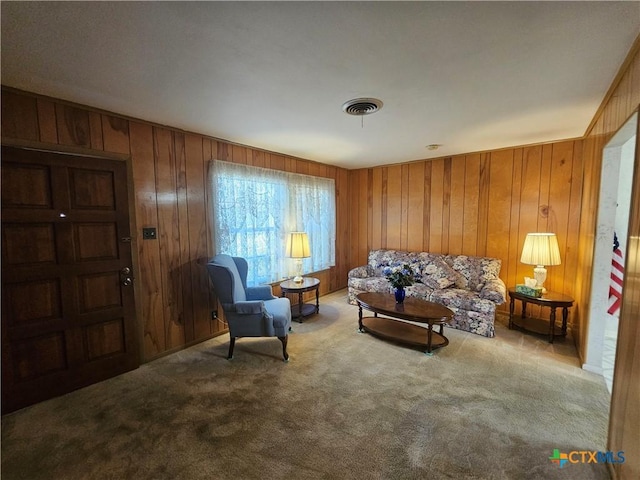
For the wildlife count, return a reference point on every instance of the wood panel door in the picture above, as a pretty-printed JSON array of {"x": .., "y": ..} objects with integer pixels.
[{"x": 68, "y": 314}]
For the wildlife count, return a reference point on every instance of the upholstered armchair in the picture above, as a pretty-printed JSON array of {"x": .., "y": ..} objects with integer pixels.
[{"x": 250, "y": 311}]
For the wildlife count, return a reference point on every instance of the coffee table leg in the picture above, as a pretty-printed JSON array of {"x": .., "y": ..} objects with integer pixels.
[
  {"x": 429, "y": 335},
  {"x": 360, "y": 330},
  {"x": 317, "y": 300}
]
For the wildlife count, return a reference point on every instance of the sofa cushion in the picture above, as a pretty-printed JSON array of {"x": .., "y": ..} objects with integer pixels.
[
  {"x": 474, "y": 272},
  {"x": 422, "y": 260},
  {"x": 381, "y": 259},
  {"x": 419, "y": 290},
  {"x": 371, "y": 284},
  {"x": 456, "y": 298},
  {"x": 378, "y": 259},
  {"x": 435, "y": 272},
  {"x": 495, "y": 291}
]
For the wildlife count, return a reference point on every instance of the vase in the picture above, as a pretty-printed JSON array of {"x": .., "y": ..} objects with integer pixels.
[{"x": 400, "y": 293}]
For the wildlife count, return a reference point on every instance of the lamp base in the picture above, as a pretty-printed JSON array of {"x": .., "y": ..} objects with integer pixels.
[
  {"x": 298, "y": 277},
  {"x": 540, "y": 274}
]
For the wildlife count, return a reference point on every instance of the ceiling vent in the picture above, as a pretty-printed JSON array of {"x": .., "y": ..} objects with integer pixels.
[{"x": 362, "y": 106}]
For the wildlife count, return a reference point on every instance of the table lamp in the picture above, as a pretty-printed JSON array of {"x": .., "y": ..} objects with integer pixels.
[
  {"x": 540, "y": 249},
  {"x": 298, "y": 248}
]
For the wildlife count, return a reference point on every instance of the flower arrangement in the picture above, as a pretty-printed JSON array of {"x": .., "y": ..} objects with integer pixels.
[{"x": 400, "y": 276}]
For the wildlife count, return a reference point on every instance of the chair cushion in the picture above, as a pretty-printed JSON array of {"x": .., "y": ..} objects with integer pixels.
[
  {"x": 238, "y": 292},
  {"x": 259, "y": 292},
  {"x": 280, "y": 309}
]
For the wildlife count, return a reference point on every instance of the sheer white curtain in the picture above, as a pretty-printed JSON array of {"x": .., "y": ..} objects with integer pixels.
[{"x": 255, "y": 208}]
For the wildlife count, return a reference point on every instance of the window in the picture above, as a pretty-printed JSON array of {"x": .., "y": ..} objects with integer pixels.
[{"x": 255, "y": 208}]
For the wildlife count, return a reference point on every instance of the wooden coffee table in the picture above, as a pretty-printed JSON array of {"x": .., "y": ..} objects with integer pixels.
[{"x": 413, "y": 309}]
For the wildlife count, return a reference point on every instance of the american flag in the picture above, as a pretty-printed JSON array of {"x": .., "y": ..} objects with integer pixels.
[{"x": 615, "y": 286}]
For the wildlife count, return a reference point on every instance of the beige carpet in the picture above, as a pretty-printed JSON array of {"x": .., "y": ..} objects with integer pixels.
[{"x": 347, "y": 406}]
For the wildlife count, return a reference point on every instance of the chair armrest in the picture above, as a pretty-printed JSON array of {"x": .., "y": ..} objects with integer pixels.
[
  {"x": 250, "y": 307},
  {"x": 494, "y": 290},
  {"x": 363, "y": 271},
  {"x": 261, "y": 292}
]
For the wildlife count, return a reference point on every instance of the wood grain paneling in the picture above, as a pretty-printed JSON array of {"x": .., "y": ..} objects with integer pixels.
[
  {"x": 149, "y": 284},
  {"x": 184, "y": 257},
  {"x": 73, "y": 126},
  {"x": 456, "y": 205},
  {"x": 339, "y": 277},
  {"x": 115, "y": 134},
  {"x": 514, "y": 251},
  {"x": 46, "y": 121},
  {"x": 436, "y": 204},
  {"x": 19, "y": 116},
  {"x": 470, "y": 204},
  {"x": 500, "y": 179},
  {"x": 483, "y": 203},
  {"x": 393, "y": 203},
  {"x": 357, "y": 187},
  {"x": 197, "y": 227},
  {"x": 169, "y": 236},
  {"x": 415, "y": 206},
  {"x": 95, "y": 126},
  {"x": 169, "y": 174}
]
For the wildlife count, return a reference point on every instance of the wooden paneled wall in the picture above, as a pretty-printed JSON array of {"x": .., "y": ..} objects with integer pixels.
[
  {"x": 621, "y": 102},
  {"x": 168, "y": 172},
  {"x": 480, "y": 204}
]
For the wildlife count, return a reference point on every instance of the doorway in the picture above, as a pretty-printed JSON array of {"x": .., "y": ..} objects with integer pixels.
[
  {"x": 68, "y": 314},
  {"x": 610, "y": 248}
]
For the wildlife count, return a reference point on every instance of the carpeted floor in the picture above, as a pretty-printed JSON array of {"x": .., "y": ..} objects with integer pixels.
[{"x": 346, "y": 406}]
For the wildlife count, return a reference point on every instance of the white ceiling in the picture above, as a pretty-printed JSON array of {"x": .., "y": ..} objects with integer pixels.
[{"x": 468, "y": 75}]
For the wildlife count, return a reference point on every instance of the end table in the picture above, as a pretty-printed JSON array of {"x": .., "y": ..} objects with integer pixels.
[
  {"x": 549, "y": 299},
  {"x": 302, "y": 309}
]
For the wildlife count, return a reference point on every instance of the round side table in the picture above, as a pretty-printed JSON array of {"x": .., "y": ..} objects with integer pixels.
[{"x": 302, "y": 309}]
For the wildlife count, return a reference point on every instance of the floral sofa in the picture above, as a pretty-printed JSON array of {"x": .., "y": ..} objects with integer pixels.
[{"x": 469, "y": 286}]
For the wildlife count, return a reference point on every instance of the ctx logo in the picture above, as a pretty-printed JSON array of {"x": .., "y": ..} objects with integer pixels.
[{"x": 585, "y": 456}]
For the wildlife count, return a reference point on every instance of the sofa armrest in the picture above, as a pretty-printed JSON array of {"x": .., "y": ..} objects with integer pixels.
[
  {"x": 261, "y": 292},
  {"x": 494, "y": 290},
  {"x": 363, "y": 271}
]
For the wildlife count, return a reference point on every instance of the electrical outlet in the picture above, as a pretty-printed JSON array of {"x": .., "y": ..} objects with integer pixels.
[{"x": 149, "y": 233}]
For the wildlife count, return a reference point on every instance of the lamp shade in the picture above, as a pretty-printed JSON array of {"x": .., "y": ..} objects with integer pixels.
[
  {"x": 540, "y": 249},
  {"x": 298, "y": 245}
]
